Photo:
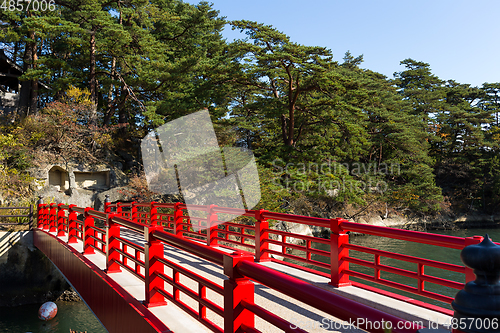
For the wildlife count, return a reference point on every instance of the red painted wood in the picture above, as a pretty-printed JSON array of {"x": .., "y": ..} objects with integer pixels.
[
  {"x": 339, "y": 239},
  {"x": 237, "y": 288},
  {"x": 333, "y": 304},
  {"x": 117, "y": 310}
]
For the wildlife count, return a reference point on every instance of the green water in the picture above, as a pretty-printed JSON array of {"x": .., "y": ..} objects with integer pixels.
[
  {"x": 437, "y": 253},
  {"x": 70, "y": 315}
]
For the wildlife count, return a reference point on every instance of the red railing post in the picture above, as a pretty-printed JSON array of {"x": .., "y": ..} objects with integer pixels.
[
  {"x": 46, "y": 220},
  {"x": 119, "y": 208},
  {"x": 133, "y": 211},
  {"x": 72, "y": 227},
  {"x": 469, "y": 272},
  {"x": 60, "y": 220},
  {"x": 213, "y": 226},
  {"x": 236, "y": 289},
  {"x": 53, "y": 218},
  {"x": 112, "y": 243},
  {"x": 261, "y": 237},
  {"x": 178, "y": 219},
  {"x": 40, "y": 213},
  {"x": 338, "y": 238},
  {"x": 153, "y": 250},
  {"x": 153, "y": 215},
  {"x": 88, "y": 233}
]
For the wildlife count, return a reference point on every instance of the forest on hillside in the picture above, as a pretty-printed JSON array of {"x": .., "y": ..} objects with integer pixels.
[{"x": 101, "y": 74}]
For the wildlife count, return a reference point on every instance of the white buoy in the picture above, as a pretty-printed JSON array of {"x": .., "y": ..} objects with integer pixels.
[{"x": 47, "y": 311}]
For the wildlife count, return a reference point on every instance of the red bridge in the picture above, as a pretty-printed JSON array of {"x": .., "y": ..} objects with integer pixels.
[{"x": 141, "y": 267}]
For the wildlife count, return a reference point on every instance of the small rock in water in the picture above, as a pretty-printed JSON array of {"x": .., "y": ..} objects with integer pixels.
[
  {"x": 47, "y": 311},
  {"x": 69, "y": 296}
]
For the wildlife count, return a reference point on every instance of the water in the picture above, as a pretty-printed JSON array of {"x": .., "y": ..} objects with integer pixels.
[
  {"x": 70, "y": 315},
  {"x": 437, "y": 253}
]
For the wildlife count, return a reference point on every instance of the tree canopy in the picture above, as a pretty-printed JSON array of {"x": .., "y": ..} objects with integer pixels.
[{"x": 318, "y": 127}]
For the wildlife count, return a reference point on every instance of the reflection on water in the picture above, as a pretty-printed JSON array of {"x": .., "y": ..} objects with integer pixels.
[
  {"x": 432, "y": 252},
  {"x": 70, "y": 315}
]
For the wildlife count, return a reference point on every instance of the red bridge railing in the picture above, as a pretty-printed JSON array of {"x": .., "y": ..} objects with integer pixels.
[
  {"x": 149, "y": 264},
  {"x": 258, "y": 238},
  {"x": 255, "y": 240}
]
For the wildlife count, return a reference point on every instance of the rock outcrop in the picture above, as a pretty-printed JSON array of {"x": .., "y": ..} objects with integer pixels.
[
  {"x": 26, "y": 275},
  {"x": 79, "y": 184}
]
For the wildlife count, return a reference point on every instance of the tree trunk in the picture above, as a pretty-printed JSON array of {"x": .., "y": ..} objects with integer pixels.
[
  {"x": 122, "y": 110},
  {"x": 109, "y": 111},
  {"x": 26, "y": 86},
  {"x": 291, "y": 126},
  {"x": 93, "y": 79},
  {"x": 34, "y": 83}
]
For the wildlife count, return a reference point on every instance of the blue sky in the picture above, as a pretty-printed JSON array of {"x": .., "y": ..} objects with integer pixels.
[{"x": 459, "y": 39}]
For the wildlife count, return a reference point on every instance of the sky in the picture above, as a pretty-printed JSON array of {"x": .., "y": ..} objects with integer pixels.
[{"x": 459, "y": 39}]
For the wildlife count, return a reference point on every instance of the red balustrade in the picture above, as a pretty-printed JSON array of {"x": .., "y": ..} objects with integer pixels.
[
  {"x": 168, "y": 223},
  {"x": 263, "y": 241}
]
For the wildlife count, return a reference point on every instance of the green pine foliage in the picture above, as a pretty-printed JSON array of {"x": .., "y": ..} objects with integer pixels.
[{"x": 320, "y": 129}]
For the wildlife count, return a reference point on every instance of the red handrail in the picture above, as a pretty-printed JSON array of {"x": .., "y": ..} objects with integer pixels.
[
  {"x": 339, "y": 249},
  {"x": 54, "y": 218},
  {"x": 333, "y": 304},
  {"x": 406, "y": 235}
]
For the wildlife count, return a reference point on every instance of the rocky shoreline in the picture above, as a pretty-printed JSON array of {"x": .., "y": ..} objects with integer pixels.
[{"x": 441, "y": 222}]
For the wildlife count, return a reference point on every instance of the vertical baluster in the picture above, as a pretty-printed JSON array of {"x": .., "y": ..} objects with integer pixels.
[
  {"x": 53, "y": 218},
  {"x": 119, "y": 210},
  {"x": 112, "y": 244},
  {"x": 60, "y": 220},
  {"x": 178, "y": 218},
  {"x": 308, "y": 248},
  {"x": 420, "y": 273},
  {"x": 176, "y": 277},
  {"x": 153, "y": 250},
  {"x": 338, "y": 238},
  {"x": 261, "y": 236},
  {"x": 88, "y": 233},
  {"x": 72, "y": 225},
  {"x": 236, "y": 289},
  {"x": 125, "y": 250},
  {"x": 202, "y": 310},
  {"x": 212, "y": 225},
  {"x": 283, "y": 247},
  {"x": 153, "y": 215},
  {"x": 133, "y": 212}
]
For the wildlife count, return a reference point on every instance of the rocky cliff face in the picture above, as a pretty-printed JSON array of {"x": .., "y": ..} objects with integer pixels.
[
  {"x": 79, "y": 184},
  {"x": 26, "y": 275}
]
